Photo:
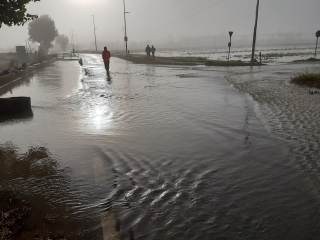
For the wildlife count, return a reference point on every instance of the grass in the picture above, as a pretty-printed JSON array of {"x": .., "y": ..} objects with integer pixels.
[{"x": 307, "y": 79}]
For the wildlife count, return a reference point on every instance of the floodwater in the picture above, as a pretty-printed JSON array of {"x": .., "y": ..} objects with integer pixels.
[
  {"x": 270, "y": 55},
  {"x": 173, "y": 152}
]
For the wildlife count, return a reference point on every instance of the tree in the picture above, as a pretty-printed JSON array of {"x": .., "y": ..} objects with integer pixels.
[
  {"x": 317, "y": 36},
  {"x": 62, "y": 41},
  {"x": 14, "y": 12},
  {"x": 43, "y": 30}
]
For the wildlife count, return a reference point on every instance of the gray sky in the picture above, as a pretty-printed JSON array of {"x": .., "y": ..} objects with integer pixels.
[{"x": 168, "y": 20}]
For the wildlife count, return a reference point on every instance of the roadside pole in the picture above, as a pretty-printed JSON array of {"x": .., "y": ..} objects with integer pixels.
[{"x": 255, "y": 34}]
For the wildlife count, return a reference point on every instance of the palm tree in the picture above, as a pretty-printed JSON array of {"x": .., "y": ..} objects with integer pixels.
[
  {"x": 255, "y": 34},
  {"x": 317, "y": 36}
]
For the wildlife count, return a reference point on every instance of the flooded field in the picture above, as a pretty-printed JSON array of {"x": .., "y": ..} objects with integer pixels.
[
  {"x": 173, "y": 152},
  {"x": 270, "y": 55}
]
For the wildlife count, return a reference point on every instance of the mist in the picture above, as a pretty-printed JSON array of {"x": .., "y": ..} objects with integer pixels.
[{"x": 172, "y": 23}]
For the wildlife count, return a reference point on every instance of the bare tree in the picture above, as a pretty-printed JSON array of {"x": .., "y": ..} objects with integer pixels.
[
  {"x": 43, "y": 31},
  {"x": 62, "y": 41}
]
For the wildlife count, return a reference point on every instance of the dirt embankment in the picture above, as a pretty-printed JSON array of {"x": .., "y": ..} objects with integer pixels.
[{"x": 10, "y": 71}]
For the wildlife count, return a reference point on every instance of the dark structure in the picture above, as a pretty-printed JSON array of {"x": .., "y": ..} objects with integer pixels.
[{"x": 15, "y": 107}]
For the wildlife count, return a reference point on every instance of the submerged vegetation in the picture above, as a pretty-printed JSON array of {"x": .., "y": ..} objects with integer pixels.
[
  {"x": 32, "y": 188},
  {"x": 307, "y": 79}
]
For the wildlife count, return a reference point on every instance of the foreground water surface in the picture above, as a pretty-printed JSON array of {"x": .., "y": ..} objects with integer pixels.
[{"x": 172, "y": 152}]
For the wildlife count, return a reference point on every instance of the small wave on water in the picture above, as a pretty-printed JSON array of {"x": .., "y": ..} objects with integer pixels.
[{"x": 291, "y": 113}]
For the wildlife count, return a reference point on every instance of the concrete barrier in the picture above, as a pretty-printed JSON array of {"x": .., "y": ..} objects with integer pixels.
[{"x": 15, "y": 107}]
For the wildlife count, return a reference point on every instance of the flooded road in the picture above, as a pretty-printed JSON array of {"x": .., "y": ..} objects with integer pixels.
[{"x": 165, "y": 152}]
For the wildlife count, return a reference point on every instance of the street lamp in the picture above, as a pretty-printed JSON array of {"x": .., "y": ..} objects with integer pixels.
[
  {"x": 125, "y": 26},
  {"x": 229, "y": 44},
  {"x": 317, "y": 36},
  {"x": 94, "y": 32},
  {"x": 255, "y": 34}
]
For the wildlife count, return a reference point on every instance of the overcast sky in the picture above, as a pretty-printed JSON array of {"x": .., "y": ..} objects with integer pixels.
[{"x": 163, "y": 20}]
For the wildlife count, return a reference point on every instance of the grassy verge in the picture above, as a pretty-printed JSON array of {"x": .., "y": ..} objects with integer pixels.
[{"x": 307, "y": 79}]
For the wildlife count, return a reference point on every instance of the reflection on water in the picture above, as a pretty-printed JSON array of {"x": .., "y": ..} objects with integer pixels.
[
  {"x": 156, "y": 156},
  {"x": 100, "y": 117}
]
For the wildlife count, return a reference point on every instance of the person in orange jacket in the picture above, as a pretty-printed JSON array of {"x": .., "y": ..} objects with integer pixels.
[{"x": 106, "y": 55}]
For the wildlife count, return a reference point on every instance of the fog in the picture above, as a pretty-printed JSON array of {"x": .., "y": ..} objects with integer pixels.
[{"x": 170, "y": 23}]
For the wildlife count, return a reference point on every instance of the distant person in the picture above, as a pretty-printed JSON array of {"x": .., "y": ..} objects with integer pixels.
[
  {"x": 106, "y": 55},
  {"x": 153, "y": 51},
  {"x": 148, "y": 50}
]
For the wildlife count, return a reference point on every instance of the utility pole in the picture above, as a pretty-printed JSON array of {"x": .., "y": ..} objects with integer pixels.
[
  {"x": 229, "y": 44},
  {"x": 125, "y": 26},
  {"x": 94, "y": 32},
  {"x": 255, "y": 34},
  {"x": 72, "y": 42},
  {"x": 317, "y": 36}
]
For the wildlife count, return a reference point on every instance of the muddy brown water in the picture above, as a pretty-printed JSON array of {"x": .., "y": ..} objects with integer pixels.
[{"x": 168, "y": 152}]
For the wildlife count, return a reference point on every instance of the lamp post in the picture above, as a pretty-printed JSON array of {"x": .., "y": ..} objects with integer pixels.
[
  {"x": 94, "y": 33},
  {"x": 317, "y": 36},
  {"x": 255, "y": 33},
  {"x": 72, "y": 42},
  {"x": 229, "y": 44},
  {"x": 125, "y": 26}
]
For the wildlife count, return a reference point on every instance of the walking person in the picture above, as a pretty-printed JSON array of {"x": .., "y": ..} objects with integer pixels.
[
  {"x": 106, "y": 55},
  {"x": 148, "y": 50},
  {"x": 153, "y": 51}
]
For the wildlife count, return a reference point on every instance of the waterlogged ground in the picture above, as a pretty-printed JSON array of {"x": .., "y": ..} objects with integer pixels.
[{"x": 174, "y": 152}]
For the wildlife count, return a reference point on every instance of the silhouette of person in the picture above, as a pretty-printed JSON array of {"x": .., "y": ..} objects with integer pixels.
[
  {"x": 106, "y": 55},
  {"x": 153, "y": 51},
  {"x": 148, "y": 50}
]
